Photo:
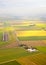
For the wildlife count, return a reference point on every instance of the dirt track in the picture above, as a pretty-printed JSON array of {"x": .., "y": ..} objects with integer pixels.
[{"x": 34, "y": 43}]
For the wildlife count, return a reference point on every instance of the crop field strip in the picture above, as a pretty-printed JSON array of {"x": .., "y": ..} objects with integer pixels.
[
  {"x": 30, "y": 27},
  {"x": 30, "y": 38},
  {"x": 37, "y": 59},
  {"x": 34, "y": 42},
  {"x": 31, "y": 33}
]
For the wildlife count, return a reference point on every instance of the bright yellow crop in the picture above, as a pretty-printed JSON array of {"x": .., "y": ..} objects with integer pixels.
[{"x": 31, "y": 33}]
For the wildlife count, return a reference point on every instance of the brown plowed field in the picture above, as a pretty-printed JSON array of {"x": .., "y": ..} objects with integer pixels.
[
  {"x": 37, "y": 59},
  {"x": 9, "y": 45},
  {"x": 34, "y": 43},
  {"x": 28, "y": 43}
]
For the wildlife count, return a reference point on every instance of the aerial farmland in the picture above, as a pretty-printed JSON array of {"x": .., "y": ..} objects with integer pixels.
[{"x": 16, "y": 37}]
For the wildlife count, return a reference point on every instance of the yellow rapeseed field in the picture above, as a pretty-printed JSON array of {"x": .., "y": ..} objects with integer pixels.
[
  {"x": 31, "y": 33},
  {"x": 40, "y": 24}
]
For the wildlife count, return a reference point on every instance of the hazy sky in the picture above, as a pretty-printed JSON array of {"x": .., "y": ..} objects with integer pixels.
[{"x": 22, "y": 7}]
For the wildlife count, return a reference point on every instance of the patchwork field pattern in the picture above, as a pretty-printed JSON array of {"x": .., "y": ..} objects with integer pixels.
[{"x": 13, "y": 33}]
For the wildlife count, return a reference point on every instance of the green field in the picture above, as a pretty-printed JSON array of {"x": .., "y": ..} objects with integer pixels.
[
  {"x": 42, "y": 49},
  {"x": 12, "y": 53},
  {"x": 32, "y": 38},
  {"x": 11, "y": 56}
]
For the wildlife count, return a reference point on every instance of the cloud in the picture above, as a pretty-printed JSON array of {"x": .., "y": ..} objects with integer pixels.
[{"x": 22, "y": 7}]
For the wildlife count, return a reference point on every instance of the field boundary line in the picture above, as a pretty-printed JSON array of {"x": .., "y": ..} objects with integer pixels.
[{"x": 7, "y": 61}]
